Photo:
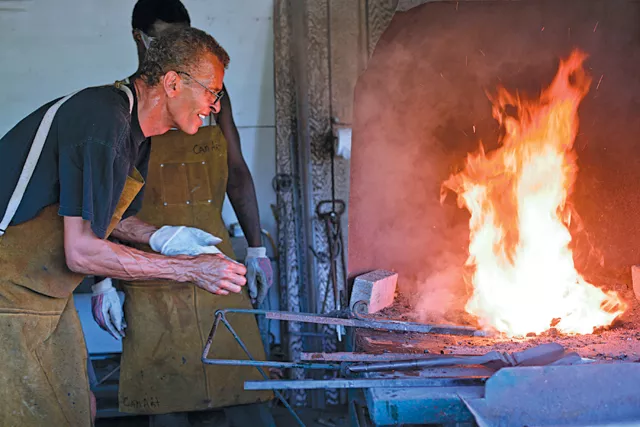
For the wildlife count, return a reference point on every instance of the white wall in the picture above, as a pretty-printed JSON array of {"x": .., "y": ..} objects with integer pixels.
[{"x": 50, "y": 48}]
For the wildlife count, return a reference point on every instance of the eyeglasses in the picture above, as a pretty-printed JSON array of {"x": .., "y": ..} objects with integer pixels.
[{"x": 217, "y": 96}]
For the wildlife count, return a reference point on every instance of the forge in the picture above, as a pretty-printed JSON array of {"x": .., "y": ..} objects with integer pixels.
[
  {"x": 445, "y": 79},
  {"x": 492, "y": 223},
  {"x": 423, "y": 108}
]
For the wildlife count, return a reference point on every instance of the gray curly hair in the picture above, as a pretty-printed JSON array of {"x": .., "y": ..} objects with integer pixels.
[{"x": 179, "y": 50}]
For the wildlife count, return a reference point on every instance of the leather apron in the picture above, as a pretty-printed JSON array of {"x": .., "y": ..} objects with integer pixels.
[
  {"x": 169, "y": 322},
  {"x": 44, "y": 360}
]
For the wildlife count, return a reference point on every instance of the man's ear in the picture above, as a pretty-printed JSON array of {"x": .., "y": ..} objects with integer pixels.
[
  {"x": 137, "y": 39},
  {"x": 172, "y": 84}
]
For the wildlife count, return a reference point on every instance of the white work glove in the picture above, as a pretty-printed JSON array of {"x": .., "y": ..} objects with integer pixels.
[
  {"x": 107, "y": 308},
  {"x": 180, "y": 240},
  {"x": 259, "y": 274}
]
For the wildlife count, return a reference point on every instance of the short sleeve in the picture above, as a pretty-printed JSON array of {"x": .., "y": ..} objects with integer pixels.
[
  {"x": 143, "y": 167},
  {"x": 91, "y": 182},
  {"x": 96, "y": 153}
]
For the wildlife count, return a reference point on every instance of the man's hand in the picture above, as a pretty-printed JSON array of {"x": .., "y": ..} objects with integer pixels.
[
  {"x": 217, "y": 274},
  {"x": 107, "y": 309},
  {"x": 170, "y": 240},
  {"x": 259, "y": 274}
]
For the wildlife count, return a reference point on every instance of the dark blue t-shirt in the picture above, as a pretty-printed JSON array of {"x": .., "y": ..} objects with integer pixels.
[{"x": 93, "y": 145}]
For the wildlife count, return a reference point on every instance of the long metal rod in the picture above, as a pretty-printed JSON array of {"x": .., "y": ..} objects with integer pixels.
[
  {"x": 412, "y": 364},
  {"x": 369, "y": 357},
  {"x": 220, "y": 317},
  {"x": 362, "y": 383},
  {"x": 269, "y": 364},
  {"x": 494, "y": 357},
  {"x": 389, "y": 325}
]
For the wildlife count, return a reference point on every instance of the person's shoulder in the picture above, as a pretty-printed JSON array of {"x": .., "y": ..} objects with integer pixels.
[
  {"x": 97, "y": 114},
  {"x": 101, "y": 98},
  {"x": 100, "y": 103}
]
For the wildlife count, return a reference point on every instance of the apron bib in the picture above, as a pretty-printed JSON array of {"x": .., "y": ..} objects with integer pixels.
[
  {"x": 44, "y": 373},
  {"x": 169, "y": 322}
]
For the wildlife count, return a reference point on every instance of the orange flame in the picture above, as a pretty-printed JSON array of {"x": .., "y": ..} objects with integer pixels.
[{"x": 523, "y": 273}]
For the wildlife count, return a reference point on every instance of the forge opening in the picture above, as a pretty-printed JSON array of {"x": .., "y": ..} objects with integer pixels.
[{"x": 421, "y": 108}]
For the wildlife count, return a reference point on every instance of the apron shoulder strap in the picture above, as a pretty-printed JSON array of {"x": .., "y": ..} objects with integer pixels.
[
  {"x": 121, "y": 84},
  {"x": 34, "y": 155}
]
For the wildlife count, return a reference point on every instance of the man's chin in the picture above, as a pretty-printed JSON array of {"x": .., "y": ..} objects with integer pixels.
[{"x": 191, "y": 130}]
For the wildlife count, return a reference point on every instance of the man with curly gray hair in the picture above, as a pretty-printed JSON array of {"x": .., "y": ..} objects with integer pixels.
[
  {"x": 191, "y": 59},
  {"x": 65, "y": 191},
  {"x": 179, "y": 49},
  {"x": 166, "y": 326}
]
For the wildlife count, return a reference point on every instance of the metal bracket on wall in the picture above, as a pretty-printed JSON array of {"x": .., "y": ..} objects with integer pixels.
[{"x": 282, "y": 182}]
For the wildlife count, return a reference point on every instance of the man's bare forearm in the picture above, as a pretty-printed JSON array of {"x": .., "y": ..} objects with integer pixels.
[
  {"x": 88, "y": 254},
  {"x": 242, "y": 195},
  {"x": 109, "y": 259},
  {"x": 240, "y": 187},
  {"x": 134, "y": 230}
]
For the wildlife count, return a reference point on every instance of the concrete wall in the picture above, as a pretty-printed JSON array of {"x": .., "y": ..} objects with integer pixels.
[{"x": 50, "y": 48}]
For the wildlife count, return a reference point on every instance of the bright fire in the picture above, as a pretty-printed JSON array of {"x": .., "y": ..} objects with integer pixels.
[{"x": 523, "y": 275}]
